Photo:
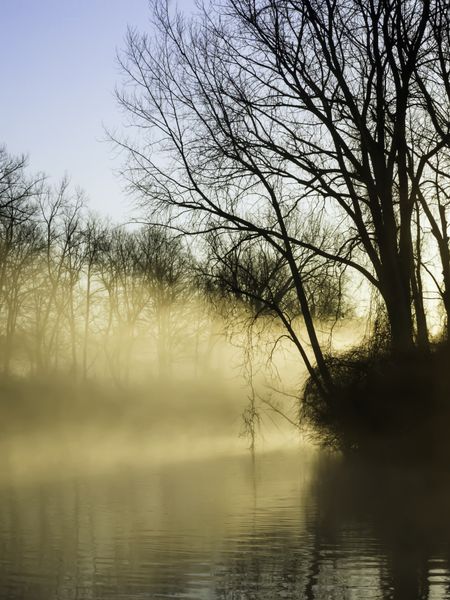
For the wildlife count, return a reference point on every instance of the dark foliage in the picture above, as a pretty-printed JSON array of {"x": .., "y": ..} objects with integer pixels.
[{"x": 384, "y": 404}]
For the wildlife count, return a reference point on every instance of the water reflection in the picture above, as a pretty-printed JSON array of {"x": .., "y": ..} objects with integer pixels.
[
  {"x": 404, "y": 512},
  {"x": 287, "y": 526}
]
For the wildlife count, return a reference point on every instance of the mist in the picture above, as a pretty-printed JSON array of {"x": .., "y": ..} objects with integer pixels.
[{"x": 240, "y": 390}]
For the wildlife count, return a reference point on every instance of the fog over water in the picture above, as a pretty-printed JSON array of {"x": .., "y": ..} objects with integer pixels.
[
  {"x": 151, "y": 492},
  {"x": 151, "y": 446},
  {"x": 148, "y": 489}
]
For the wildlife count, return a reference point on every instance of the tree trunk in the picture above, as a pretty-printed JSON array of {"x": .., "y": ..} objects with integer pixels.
[
  {"x": 417, "y": 290},
  {"x": 86, "y": 321},
  {"x": 398, "y": 307}
]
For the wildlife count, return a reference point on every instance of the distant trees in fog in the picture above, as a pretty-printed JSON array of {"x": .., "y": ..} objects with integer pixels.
[{"x": 78, "y": 294}]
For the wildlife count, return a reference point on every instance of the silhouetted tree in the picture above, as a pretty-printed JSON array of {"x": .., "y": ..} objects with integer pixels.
[
  {"x": 19, "y": 241},
  {"x": 263, "y": 111}
]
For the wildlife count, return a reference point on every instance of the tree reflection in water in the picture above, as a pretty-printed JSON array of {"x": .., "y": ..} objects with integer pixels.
[{"x": 371, "y": 532}]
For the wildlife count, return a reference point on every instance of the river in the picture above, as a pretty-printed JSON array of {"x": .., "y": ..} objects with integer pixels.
[{"x": 285, "y": 524}]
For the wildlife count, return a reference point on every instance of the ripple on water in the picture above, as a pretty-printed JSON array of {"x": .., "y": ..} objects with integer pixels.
[{"x": 287, "y": 526}]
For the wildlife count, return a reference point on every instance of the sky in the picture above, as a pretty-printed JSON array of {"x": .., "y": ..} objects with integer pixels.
[{"x": 58, "y": 74}]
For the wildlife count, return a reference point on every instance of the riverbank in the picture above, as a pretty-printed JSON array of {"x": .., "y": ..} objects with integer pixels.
[{"x": 384, "y": 406}]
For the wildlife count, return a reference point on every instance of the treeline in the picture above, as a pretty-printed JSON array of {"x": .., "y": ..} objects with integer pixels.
[
  {"x": 78, "y": 294},
  {"x": 81, "y": 296}
]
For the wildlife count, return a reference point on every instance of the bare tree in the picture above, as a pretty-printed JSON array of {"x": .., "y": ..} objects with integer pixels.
[
  {"x": 95, "y": 241},
  {"x": 261, "y": 111},
  {"x": 19, "y": 243},
  {"x": 164, "y": 266}
]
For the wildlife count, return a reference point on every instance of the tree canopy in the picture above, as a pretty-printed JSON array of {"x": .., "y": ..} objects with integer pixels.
[{"x": 265, "y": 118}]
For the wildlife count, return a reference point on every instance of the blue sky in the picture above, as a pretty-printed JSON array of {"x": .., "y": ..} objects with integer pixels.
[{"x": 58, "y": 73}]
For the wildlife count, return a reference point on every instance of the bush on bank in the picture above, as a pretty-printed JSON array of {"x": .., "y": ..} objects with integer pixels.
[{"x": 383, "y": 405}]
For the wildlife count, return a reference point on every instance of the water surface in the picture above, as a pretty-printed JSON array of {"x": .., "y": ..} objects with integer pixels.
[{"x": 285, "y": 525}]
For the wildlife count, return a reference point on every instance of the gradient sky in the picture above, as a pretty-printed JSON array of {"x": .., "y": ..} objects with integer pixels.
[{"x": 58, "y": 73}]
